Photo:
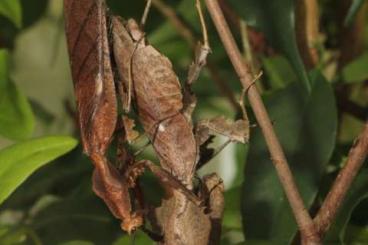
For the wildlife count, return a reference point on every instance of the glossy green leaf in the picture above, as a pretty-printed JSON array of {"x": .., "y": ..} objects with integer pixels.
[
  {"x": 353, "y": 10},
  {"x": 12, "y": 10},
  {"x": 356, "y": 71},
  {"x": 20, "y": 160},
  {"x": 306, "y": 129},
  {"x": 16, "y": 117},
  {"x": 61, "y": 178},
  {"x": 358, "y": 192},
  {"x": 277, "y": 20}
]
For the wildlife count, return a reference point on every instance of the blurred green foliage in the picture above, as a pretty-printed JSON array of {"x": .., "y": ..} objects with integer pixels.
[
  {"x": 308, "y": 148},
  {"x": 55, "y": 205}
]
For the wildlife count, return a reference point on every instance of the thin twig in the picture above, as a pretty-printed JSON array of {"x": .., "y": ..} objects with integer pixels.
[
  {"x": 357, "y": 155},
  {"x": 203, "y": 24},
  {"x": 201, "y": 52},
  {"x": 246, "y": 45},
  {"x": 145, "y": 13},
  {"x": 349, "y": 106},
  {"x": 303, "y": 219},
  {"x": 307, "y": 32}
]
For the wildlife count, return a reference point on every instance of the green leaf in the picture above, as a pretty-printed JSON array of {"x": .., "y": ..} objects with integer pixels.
[
  {"x": 279, "y": 71},
  {"x": 353, "y": 10},
  {"x": 14, "y": 237},
  {"x": 356, "y": 71},
  {"x": 32, "y": 12},
  {"x": 356, "y": 235},
  {"x": 3, "y": 230},
  {"x": 4, "y": 69},
  {"x": 16, "y": 117},
  {"x": 306, "y": 129},
  {"x": 277, "y": 20},
  {"x": 20, "y": 160},
  {"x": 232, "y": 215},
  {"x": 82, "y": 216},
  {"x": 77, "y": 242},
  {"x": 61, "y": 178},
  {"x": 357, "y": 193},
  {"x": 12, "y": 10},
  {"x": 138, "y": 238}
]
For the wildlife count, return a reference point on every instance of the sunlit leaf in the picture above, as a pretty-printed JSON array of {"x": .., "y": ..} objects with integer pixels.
[
  {"x": 61, "y": 178},
  {"x": 20, "y": 160}
]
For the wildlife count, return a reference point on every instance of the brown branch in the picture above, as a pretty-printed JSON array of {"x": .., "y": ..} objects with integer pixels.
[
  {"x": 335, "y": 197},
  {"x": 303, "y": 219},
  {"x": 351, "y": 38},
  {"x": 307, "y": 31},
  {"x": 348, "y": 106},
  {"x": 185, "y": 31}
]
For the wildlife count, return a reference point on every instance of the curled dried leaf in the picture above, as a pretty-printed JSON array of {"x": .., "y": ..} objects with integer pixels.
[
  {"x": 88, "y": 46},
  {"x": 237, "y": 131},
  {"x": 86, "y": 33}
]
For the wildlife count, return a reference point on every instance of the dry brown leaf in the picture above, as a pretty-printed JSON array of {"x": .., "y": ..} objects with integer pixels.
[
  {"x": 85, "y": 25},
  {"x": 237, "y": 131}
]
